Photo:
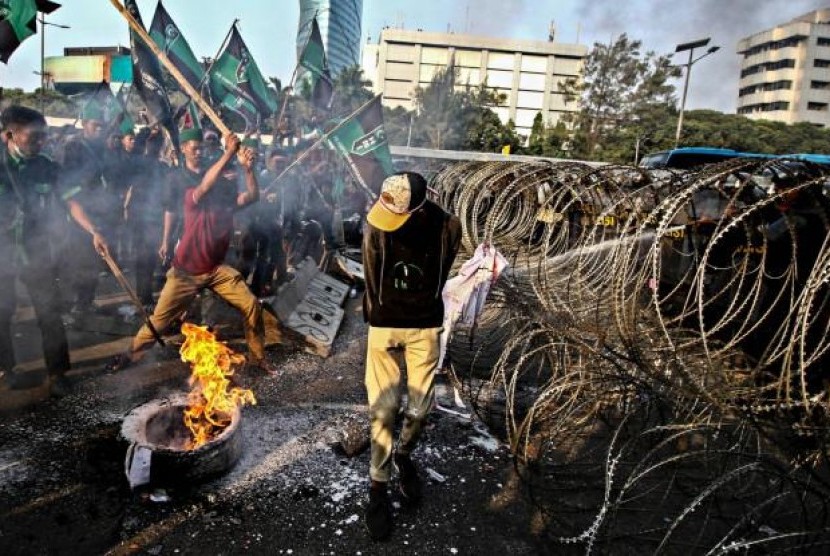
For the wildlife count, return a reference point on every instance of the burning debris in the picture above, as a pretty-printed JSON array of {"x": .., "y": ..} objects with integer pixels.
[
  {"x": 195, "y": 436},
  {"x": 210, "y": 402}
]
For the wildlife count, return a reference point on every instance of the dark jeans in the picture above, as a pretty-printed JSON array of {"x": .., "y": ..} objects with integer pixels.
[
  {"x": 146, "y": 237},
  {"x": 46, "y": 300},
  {"x": 262, "y": 253}
]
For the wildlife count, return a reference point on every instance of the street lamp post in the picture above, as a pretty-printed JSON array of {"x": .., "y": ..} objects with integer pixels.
[
  {"x": 43, "y": 80},
  {"x": 690, "y": 46}
]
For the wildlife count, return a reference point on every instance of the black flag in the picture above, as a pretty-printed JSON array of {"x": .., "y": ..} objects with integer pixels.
[
  {"x": 18, "y": 22},
  {"x": 148, "y": 81}
]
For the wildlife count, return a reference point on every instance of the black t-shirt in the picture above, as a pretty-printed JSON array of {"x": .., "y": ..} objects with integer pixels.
[
  {"x": 32, "y": 209},
  {"x": 91, "y": 172}
]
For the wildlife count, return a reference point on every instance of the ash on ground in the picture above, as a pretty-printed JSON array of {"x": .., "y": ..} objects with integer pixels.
[{"x": 294, "y": 491}]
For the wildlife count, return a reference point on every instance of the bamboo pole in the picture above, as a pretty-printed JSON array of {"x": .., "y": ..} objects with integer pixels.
[{"x": 206, "y": 108}]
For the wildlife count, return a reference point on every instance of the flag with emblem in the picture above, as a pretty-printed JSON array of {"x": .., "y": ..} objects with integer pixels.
[
  {"x": 316, "y": 76},
  {"x": 148, "y": 81},
  {"x": 18, "y": 21},
  {"x": 168, "y": 37},
  {"x": 237, "y": 84},
  {"x": 361, "y": 140}
]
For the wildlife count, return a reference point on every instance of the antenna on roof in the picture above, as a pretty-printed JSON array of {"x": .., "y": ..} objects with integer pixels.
[{"x": 551, "y": 31}]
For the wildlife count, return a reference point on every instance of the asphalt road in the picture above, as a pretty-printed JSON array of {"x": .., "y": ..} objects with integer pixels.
[{"x": 63, "y": 488}]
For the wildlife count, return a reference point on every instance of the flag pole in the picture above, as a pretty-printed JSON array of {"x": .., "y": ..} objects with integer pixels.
[
  {"x": 285, "y": 101},
  {"x": 319, "y": 142},
  {"x": 206, "y": 76},
  {"x": 293, "y": 79},
  {"x": 174, "y": 71},
  {"x": 181, "y": 109}
]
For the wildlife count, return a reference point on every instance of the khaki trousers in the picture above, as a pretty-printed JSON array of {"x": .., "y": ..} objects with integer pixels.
[
  {"x": 383, "y": 375},
  {"x": 181, "y": 288}
]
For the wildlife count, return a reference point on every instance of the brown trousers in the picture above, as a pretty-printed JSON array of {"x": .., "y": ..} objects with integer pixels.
[
  {"x": 181, "y": 288},
  {"x": 383, "y": 375}
]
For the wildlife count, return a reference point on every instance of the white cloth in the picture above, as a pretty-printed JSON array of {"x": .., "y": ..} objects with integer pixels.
[{"x": 464, "y": 294}]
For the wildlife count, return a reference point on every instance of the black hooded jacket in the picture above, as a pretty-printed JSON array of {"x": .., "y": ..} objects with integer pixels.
[{"x": 406, "y": 269}]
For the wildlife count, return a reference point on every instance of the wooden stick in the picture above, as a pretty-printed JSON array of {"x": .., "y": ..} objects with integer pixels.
[
  {"x": 177, "y": 75},
  {"x": 125, "y": 285}
]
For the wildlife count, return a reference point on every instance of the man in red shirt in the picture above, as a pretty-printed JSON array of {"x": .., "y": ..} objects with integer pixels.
[{"x": 209, "y": 201}]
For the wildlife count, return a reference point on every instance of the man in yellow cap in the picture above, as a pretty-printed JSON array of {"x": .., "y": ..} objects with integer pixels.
[{"x": 408, "y": 248}]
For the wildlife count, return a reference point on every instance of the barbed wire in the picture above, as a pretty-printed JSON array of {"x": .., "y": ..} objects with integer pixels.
[{"x": 656, "y": 355}]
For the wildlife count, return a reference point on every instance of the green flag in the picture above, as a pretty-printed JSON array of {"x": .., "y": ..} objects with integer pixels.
[
  {"x": 361, "y": 141},
  {"x": 235, "y": 81},
  {"x": 18, "y": 21},
  {"x": 168, "y": 37},
  {"x": 148, "y": 79},
  {"x": 317, "y": 77}
]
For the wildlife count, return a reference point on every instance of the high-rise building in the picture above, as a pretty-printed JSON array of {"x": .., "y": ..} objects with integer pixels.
[
  {"x": 785, "y": 71},
  {"x": 339, "y": 22},
  {"x": 528, "y": 73}
]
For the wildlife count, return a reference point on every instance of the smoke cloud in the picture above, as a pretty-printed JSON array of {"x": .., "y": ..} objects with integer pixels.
[{"x": 662, "y": 25}]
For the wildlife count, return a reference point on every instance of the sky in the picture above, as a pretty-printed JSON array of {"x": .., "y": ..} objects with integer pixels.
[{"x": 269, "y": 27}]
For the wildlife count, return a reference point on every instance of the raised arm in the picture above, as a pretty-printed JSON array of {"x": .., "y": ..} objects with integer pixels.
[
  {"x": 232, "y": 143},
  {"x": 247, "y": 156}
]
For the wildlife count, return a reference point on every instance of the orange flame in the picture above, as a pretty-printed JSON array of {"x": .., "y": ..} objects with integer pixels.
[{"x": 210, "y": 403}]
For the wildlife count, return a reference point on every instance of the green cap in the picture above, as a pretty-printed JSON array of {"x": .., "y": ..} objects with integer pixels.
[
  {"x": 190, "y": 134},
  {"x": 92, "y": 112},
  {"x": 250, "y": 142}
]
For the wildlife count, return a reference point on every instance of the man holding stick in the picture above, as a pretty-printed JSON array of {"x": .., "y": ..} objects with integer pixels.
[
  {"x": 209, "y": 202},
  {"x": 32, "y": 209}
]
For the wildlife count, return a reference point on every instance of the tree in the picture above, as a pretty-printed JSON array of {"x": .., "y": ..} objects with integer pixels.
[
  {"x": 351, "y": 91},
  {"x": 459, "y": 118},
  {"x": 621, "y": 90},
  {"x": 53, "y": 103}
]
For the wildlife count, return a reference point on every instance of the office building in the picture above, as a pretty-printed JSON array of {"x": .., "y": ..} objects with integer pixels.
[
  {"x": 82, "y": 69},
  {"x": 527, "y": 72},
  {"x": 785, "y": 71}
]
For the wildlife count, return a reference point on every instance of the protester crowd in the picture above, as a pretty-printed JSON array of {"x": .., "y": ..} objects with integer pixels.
[
  {"x": 226, "y": 217},
  {"x": 102, "y": 189}
]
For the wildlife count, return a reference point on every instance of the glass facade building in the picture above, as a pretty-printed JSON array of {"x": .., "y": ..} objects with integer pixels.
[{"x": 340, "y": 26}]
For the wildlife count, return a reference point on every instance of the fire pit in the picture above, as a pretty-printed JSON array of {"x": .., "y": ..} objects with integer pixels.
[{"x": 159, "y": 439}]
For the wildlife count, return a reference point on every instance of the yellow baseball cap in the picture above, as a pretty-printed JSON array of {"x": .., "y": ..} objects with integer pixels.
[{"x": 400, "y": 195}]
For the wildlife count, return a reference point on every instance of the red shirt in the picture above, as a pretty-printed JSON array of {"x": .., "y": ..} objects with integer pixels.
[{"x": 208, "y": 226}]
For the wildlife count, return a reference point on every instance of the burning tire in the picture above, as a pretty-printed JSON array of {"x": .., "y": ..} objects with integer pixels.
[{"x": 158, "y": 427}]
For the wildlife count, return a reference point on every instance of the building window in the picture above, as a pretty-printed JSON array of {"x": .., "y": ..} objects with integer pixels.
[
  {"x": 821, "y": 63},
  {"x": 499, "y": 78},
  {"x": 468, "y": 58},
  {"x": 500, "y": 60},
  {"x": 819, "y": 85},
  {"x": 773, "y": 86},
  {"x": 436, "y": 56},
  {"x": 764, "y": 107},
  {"x": 532, "y": 82},
  {"x": 819, "y": 106},
  {"x": 774, "y": 45},
  {"x": 823, "y": 41},
  {"x": 768, "y": 66},
  {"x": 534, "y": 64}
]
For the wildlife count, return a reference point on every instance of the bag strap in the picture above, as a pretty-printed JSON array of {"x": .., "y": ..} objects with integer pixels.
[{"x": 21, "y": 200}]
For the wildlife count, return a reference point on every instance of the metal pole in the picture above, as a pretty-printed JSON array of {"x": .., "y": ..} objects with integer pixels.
[
  {"x": 409, "y": 135},
  {"x": 42, "y": 64},
  {"x": 683, "y": 101}
]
